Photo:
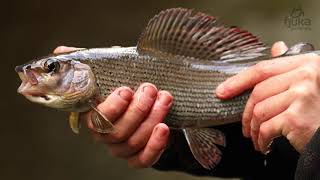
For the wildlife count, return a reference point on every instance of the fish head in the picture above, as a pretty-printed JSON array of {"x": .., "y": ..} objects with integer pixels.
[{"x": 57, "y": 82}]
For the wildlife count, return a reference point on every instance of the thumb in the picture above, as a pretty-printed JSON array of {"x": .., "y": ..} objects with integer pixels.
[{"x": 278, "y": 49}]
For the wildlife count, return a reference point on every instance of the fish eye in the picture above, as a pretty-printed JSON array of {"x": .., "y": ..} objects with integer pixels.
[{"x": 52, "y": 66}]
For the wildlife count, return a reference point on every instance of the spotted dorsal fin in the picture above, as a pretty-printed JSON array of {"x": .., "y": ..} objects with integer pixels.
[{"x": 185, "y": 33}]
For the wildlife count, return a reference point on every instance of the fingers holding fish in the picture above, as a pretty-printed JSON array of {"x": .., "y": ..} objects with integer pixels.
[
  {"x": 291, "y": 113},
  {"x": 268, "y": 88},
  {"x": 140, "y": 137},
  {"x": 298, "y": 124},
  {"x": 136, "y": 112},
  {"x": 153, "y": 150},
  {"x": 267, "y": 109},
  {"x": 278, "y": 84},
  {"x": 116, "y": 103},
  {"x": 261, "y": 71},
  {"x": 277, "y": 49},
  {"x": 157, "y": 114},
  {"x": 268, "y": 131}
]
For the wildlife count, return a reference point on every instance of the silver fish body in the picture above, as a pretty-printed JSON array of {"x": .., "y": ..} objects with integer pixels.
[{"x": 191, "y": 83}]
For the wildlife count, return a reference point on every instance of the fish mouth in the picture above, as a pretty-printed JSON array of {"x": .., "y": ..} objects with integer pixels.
[
  {"x": 35, "y": 91},
  {"x": 28, "y": 89},
  {"x": 36, "y": 96},
  {"x": 44, "y": 99}
]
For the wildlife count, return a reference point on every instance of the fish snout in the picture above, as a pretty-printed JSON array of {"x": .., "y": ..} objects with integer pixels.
[{"x": 19, "y": 68}]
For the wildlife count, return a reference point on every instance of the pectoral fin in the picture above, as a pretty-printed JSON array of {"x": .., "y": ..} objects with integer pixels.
[
  {"x": 74, "y": 122},
  {"x": 202, "y": 143},
  {"x": 100, "y": 122}
]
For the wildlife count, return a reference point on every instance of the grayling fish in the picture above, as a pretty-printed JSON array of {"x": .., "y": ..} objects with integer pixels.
[{"x": 188, "y": 54}]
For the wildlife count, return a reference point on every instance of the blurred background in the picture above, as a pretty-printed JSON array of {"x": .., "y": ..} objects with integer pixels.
[{"x": 36, "y": 142}]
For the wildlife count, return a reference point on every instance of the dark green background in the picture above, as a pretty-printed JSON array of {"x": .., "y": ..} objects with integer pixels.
[{"x": 36, "y": 142}]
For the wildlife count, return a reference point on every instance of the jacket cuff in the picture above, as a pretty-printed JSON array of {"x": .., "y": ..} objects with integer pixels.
[{"x": 309, "y": 161}]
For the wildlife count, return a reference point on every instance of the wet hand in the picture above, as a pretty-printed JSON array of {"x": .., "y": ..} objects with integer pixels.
[
  {"x": 140, "y": 135},
  {"x": 285, "y": 99}
]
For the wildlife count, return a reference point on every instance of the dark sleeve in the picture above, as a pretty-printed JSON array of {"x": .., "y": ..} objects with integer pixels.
[
  {"x": 309, "y": 162},
  {"x": 239, "y": 157}
]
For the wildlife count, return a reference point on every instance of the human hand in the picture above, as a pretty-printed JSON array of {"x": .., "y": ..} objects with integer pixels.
[
  {"x": 285, "y": 99},
  {"x": 140, "y": 137}
]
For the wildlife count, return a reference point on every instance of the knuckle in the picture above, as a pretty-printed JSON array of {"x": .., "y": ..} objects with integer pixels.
[
  {"x": 139, "y": 109},
  {"x": 262, "y": 68},
  {"x": 111, "y": 109},
  {"x": 245, "y": 118},
  {"x": 134, "y": 143},
  {"x": 117, "y": 137},
  {"x": 290, "y": 113},
  {"x": 312, "y": 59},
  {"x": 255, "y": 95},
  {"x": 301, "y": 91},
  {"x": 263, "y": 132},
  {"x": 258, "y": 111},
  {"x": 308, "y": 73},
  {"x": 290, "y": 116},
  {"x": 142, "y": 107},
  {"x": 294, "y": 123}
]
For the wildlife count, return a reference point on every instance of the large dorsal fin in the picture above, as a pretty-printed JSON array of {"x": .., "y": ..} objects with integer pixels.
[{"x": 181, "y": 32}]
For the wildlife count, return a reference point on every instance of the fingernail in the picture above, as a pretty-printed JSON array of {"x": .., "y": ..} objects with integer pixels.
[
  {"x": 149, "y": 91},
  {"x": 281, "y": 43},
  {"x": 125, "y": 94},
  {"x": 146, "y": 97},
  {"x": 160, "y": 132},
  {"x": 282, "y": 47},
  {"x": 220, "y": 90},
  {"x": 164, "y": 99}
]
